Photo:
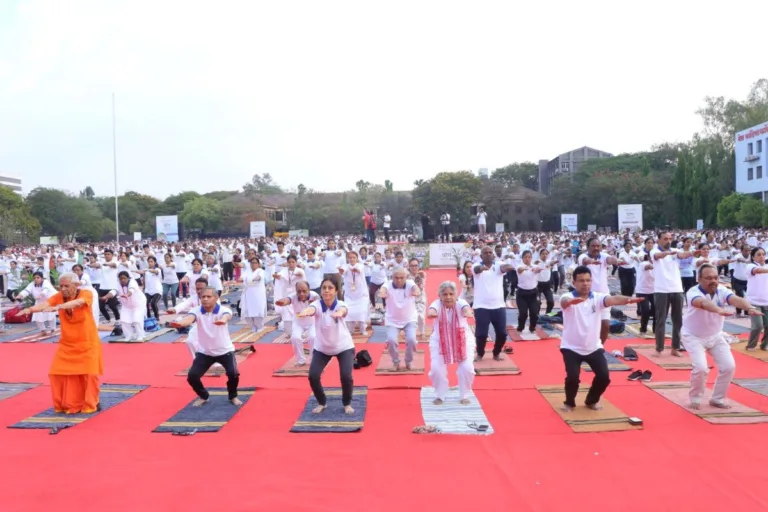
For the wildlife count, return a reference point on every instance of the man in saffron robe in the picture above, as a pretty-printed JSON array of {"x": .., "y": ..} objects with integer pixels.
[{"x": 77, "y": 364}]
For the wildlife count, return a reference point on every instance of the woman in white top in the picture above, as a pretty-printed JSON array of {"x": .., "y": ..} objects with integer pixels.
[
  {"x": 134, "y": 307},
  {"x": 85, "y": 284},
  {"x": 420, "y": 278},
  {"x": 467, "y": 281},
  {"x": 378, "y": 277},
  {"x": 41, "y": 290},
  {"x": 214, "y": 273},
  {"x": 644, "y": 288},
  {"x": 481, "y": 216},
  {"x": 153, "y": 286},
  {"x": 627, "y": 275},
  {"x": 285, "y": 281},
  {"x": 196, "y": 273},
  {"x": 544, "y": 279},
  {"x": 527, "y": 292},
  {"x": 170, "y": 280},
  {"x": 355, "y": 293},
  {"x": 253, "y": 301},
  {"x": 303, "y": 328},
  {"x": 332, "y": 340},
  {"x": 333, "y": 258},
  {"x": 451, "y": 341},
  {"x": 757, "y": 295},
  {"x": 313, "y": 268}
]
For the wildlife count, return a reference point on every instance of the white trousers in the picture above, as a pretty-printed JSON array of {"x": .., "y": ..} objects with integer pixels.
[
  {"x": 410, "y": 342},
  {"x": 297, "y": 341},
  {"x": 133, "y": 330},
  {"x": 351, "y": 326},
  {"x": 438, "y": 372},
  {"x": 720, "y": 350},
  {"x": 255, "y": 322},
  {"x": 48, "y": 325}
]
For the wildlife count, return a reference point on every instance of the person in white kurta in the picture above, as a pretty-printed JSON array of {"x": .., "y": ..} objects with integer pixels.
[
  {"x": 400, "y": 295},
  {"x": 85, "y": 284},
  {"x": 134, "y": 307},
  {"x": 303, "y": 328},
  {"x": 253, "y": 301},
  {"x": 355, "y": 293},
  {"x": 702, "y": 332},
  {"x": 214, "y": 274},
  {"x": 451, "y": 341},
  {"x": 332, "y": 340},
  {"x": 285, "y": 280},
  {"x": 40, "y": 290}
]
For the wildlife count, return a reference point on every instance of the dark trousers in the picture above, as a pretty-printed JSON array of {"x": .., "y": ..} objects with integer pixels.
[
  {"x": 597, "y": 362},
  {"x": 183, "y": 290},
  {"x": 527, "y": 304},
  {"x": 152, "y": 301},
  {"x": 546, "y": 290},
  {"x": 688, "y": 283},
  {"x": 227, "y": 271},
  {"x": 446, "y": 230},
  {"x": 627, "y": 280},
  {"x": 646, "y": 312},
  {"x": 346, "y": 361},
  {"x": 483, "y": 319},
  {"x": 739, "y": 288},
  {"x": 201, "y": 364},
  {"x": 663, "y": 303},
  {"x": 386, "y": 234},
  {"x": 373, "y": 289},
  {"x": 111, "y": 302}
]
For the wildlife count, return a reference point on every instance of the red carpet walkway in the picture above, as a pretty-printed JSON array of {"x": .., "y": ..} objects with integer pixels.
[{"x": 533, "y": 462}]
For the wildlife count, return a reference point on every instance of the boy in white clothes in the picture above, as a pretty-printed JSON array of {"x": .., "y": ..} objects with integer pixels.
[
  {"x": 213, "y": 345},
  {"x": 303, "y": 327},
  {"x": 702, "y": 332}
]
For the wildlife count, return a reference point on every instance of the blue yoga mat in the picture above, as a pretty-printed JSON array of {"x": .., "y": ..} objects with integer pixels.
[
  {"x": 379, "y": 334},
  {"x": 10, "y": 389},
  {"x": 333, "y": 418},
  {"x": 110, "y": 396},
  {"x": 614, "y": 364},
  {"x": 452, "y": 417},
  {"x": 210, "y": 417},
  {"x": 734, "y": 328},
  {"x": 759, "y": 386},
  {"x": 270, "y": 336}
]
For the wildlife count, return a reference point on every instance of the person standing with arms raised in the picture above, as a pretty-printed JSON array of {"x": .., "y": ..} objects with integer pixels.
[
  {"x": 489, "y": 303},
  {"x": 598, "y": 263}
]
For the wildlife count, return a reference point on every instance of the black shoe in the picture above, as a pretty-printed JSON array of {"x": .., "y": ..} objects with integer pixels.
[
  {"x": 646, "y": 377},
  {"x": 635, "y": 375}
]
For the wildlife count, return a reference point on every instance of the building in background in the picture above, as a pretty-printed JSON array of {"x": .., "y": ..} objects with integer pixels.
[
  {"x": 483, "y": 173},
  {"x": 11, "y": 182},
  {"x": 567, "y": 163},
  {"x": 751, "y": 146}
]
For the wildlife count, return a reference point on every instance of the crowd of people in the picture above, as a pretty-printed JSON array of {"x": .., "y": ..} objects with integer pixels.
[{"x": 327, "y": 289}]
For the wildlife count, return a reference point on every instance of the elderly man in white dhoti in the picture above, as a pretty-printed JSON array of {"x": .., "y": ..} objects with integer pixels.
[{"x": 451, "y": 342}]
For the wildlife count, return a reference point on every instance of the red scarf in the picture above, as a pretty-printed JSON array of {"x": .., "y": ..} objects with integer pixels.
[{"x": 453, "y": 341}]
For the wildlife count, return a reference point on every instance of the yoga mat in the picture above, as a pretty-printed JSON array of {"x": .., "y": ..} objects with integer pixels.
[
  {"x": 210, "y": 417},
  {"x": 246, "y": 335},
  {"x": 489, "y": 366},
  {"x": 110, "y": 396},
  {"x": 385, "y": 364},
  {"x": 32, "y": 337},
  {"x": 289, "y": 369},
  {"x": 181, "y": 339},
  {"x": 666, "y": 360},
  {"x": 8, "y": 389},
  {"x": 614, "y": 364},
  {"x": 677, "y": 393},
  {"x": 333, "y": 418},
  {"x": 582, "y": 419},
  {"x": 759, "y": 386},
  {"x": 731, "y": 327},
  {"x": 741, "y": 347},
  {"x": 282, "y": 338},
  {"x": 635, "y": 330},
  {"x": 149, "y": 336},
  {"x": 379, "y": 334},
  {"x": 452, "y": 417},
  {"x": 172, "y": 336},
  {"x": 17, "y": 329},
  {"x": 526, "y": 335},
  {"x": 358, "y": 338},
  {"x": 741, "y": 322},
  {"x": 241, "y": 354}
]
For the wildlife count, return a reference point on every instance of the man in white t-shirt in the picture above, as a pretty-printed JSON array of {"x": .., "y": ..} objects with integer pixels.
[
  {"x": 580, "y": 342},
  {"x": 668, "y": 290},
  {"x": 400, "y": 295},
  {"x": 214, "y": 345},
  {"x": 481, "y": 221},
  {"x": 489, "y": 304},
  {"x": 445, "y": 221},
  {"x": 387, "y": 221},
  {"x": 598, "y": 263},
  {"x": 702, "y": 332}
]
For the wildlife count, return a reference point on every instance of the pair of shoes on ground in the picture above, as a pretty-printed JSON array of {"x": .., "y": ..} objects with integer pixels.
[{"x": 644, "y": 375}]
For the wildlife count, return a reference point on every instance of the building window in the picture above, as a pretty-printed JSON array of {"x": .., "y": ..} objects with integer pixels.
[
  {"x": 279, "y": 216},
  {"x": 750, "y": 174},
  {"x": 531, "y": 225},
  {"x": 518, "y": 225},
  {"x": 531, "y": 210},
  {"x": 518, "y": 208},
  {"x": 759, "y": 172},
  {"x": 759, "y": 146},
  {"x": 566, "y": 166},
  {"x": 749, "y": 149}
]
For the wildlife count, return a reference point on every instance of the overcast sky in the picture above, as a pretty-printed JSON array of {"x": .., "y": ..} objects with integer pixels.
[{"x": 326, "y": 93}]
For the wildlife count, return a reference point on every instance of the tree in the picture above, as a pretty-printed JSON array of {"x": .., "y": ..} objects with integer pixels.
[
  {"x": 220, "y": 195},
  {"x": 301, "y": 189},
  {"x": 525, "y": 174},
  {"x": 452, "y": 192},
  {"x": 728, "y": 208},
  {"x": 262, "y": 184},
  {"x": 202, "y": 213},
  {"x": 16, "y": 220},
  {"x": 87, "y": 193},
  {"x": 751, "y": 213},
  {"x": 724, "y": 117},
  {"x": 388, "y": 186},
  {"x": 63, "y": 215}
]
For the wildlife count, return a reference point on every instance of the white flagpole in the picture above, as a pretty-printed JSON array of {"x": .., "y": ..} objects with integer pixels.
[{"x": 114, "y": 165}]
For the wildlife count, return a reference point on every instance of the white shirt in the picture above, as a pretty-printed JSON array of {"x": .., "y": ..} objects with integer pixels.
[
  {"x": 527, "y": 279},
  {"x": 481, "y": 218},
  {"x": 333, "y": 261},
  {"x": 314, "y": 272},
  {"x": 387, "y": 220},
  {"x": 599, "y": 272},
  {"x": 666, "y": 273},
  {"x": 153, "y": 283},
  {"x": 757, "y": 286},
  {"x": 700, "y": 323},
  {"x": 645, "y": 279},
  {"x": 581, "y": 323},
  {"x": 212, "y": 340},
  {"x": 378, "y": 273},
  {"x": 332, "y": 335},
  {"x": 401, "y": 305},
  {"x": 489, "y": 288}
]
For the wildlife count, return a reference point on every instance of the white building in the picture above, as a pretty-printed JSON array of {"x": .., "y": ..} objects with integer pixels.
[
  {"x": 483, "y": 173},
  {"x": 11, "y": 182},
  {"x": 751, "y": 161}
]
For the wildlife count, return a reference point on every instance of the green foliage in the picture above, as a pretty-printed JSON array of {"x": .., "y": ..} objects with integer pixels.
[
  {"x": 262, "y": 184},
  {"x": 16, "y": 219},
  {"x": 202, "y": 213},
  {"x": 65, "y": 216},
  {"x": 452, "y": 192},
  {"x": 220, "y": 195},
  {"x": 728, "y": 208},
  {"x": 751, "y": 213},
  {"x": 524, "y": 174}
]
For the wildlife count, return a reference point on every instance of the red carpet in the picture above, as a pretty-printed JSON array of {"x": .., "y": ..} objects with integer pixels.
[{"x": 534, "y": 461}]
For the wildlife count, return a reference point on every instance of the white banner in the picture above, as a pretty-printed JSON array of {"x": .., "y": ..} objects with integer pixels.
[
  {"x": 569, "y": 222},
  {"x": 699, "y": 224},
  {"x": 630, "y": 216},
  {"x": 298, "y": 233},
  {"x": 258, "y": 229},
  {"x": 591, "y": 227},
  {"x": 136, "y": 236},
  {"x": 499, "y": 227},
  {"x": 448, "y": 255},
  {"x": 167, "y": 228},
  {"x": 49, "y": 240}
]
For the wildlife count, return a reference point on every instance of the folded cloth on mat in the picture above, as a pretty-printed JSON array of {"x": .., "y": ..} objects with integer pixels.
[
  {"x": 614, "y": 364},
  {"x": 452, "y": 417},
  {"x": 110, "y": 395},
  {"x": 333, "y": 418},
  {"x": 10, "y": 389},
  {"x": 209, "y": 417},
  {"x": 678, "y": 393},
  {"x": 583, "y": 419}
]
